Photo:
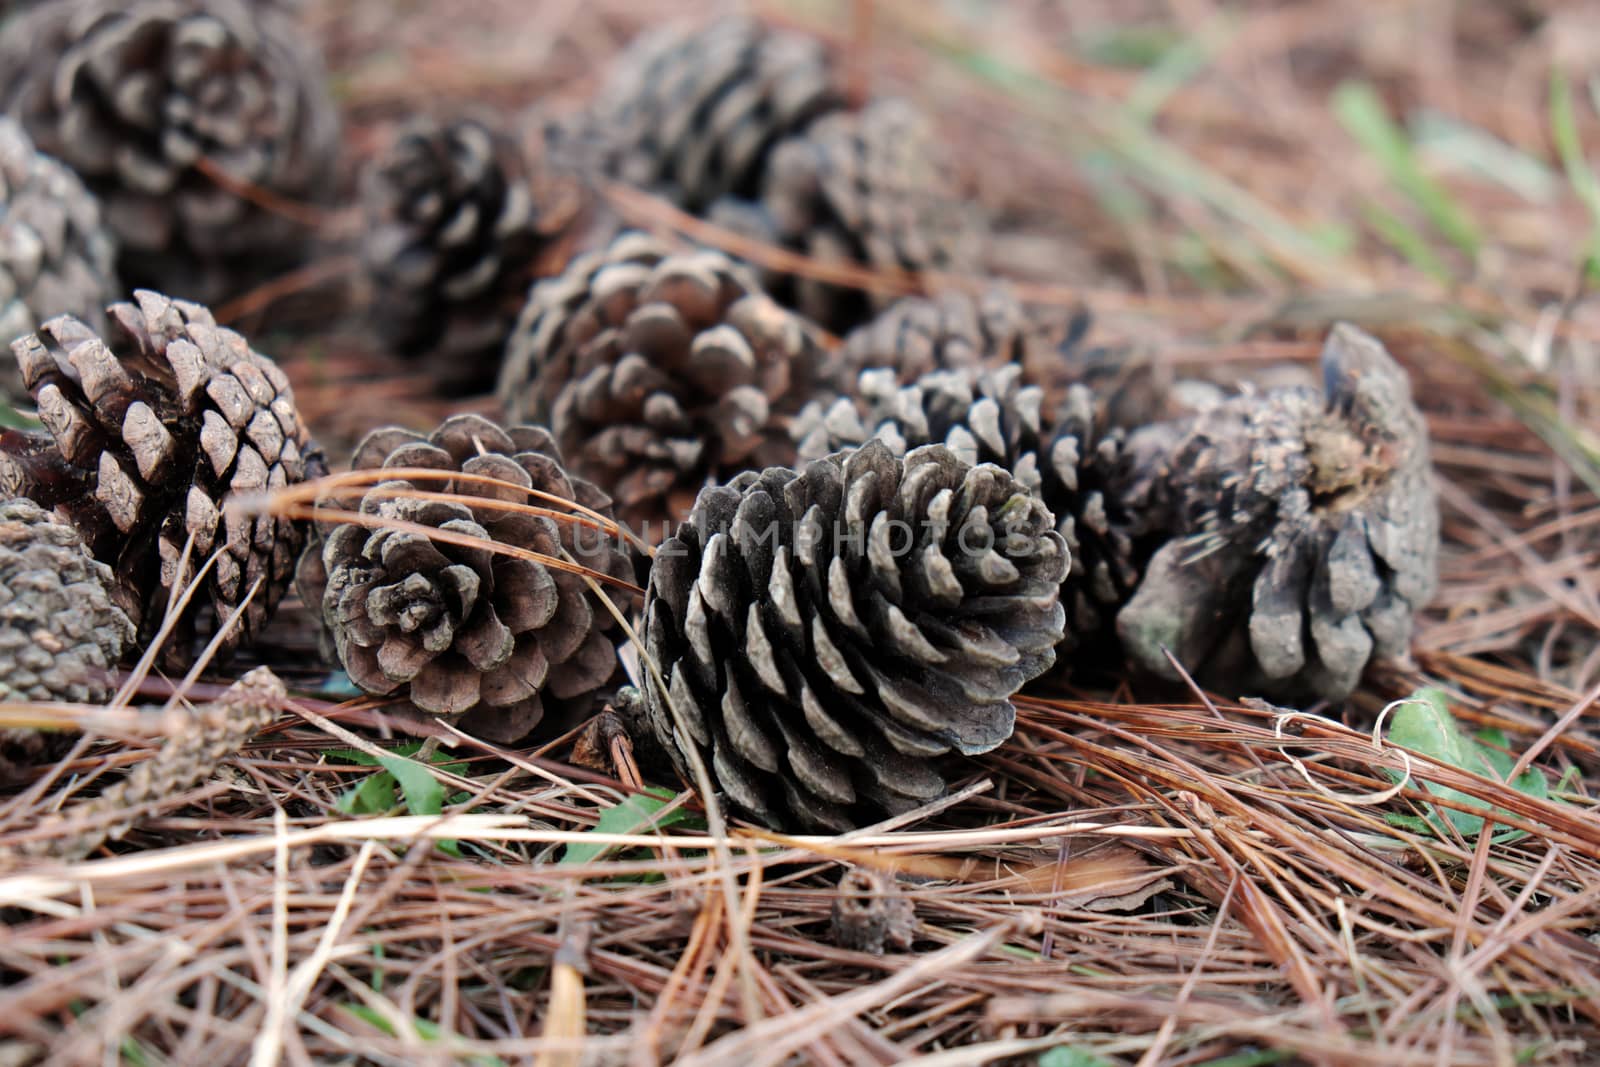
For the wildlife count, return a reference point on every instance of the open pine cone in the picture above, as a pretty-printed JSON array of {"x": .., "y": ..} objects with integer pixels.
[
  {"x": 825, "y": 634},
  {"x": 149, "y": 433},
  {"x": 143, "y": 97},
  {"x": 460, "y": 629},
  {"x": 459, "y": 220},
  {"x": 961, "y": 331},
  {"x": 1305, "y": 532},
  {"x": 871, "y": 188},
  {"x": 991, "y": 417},
  {"x": 55, "y": 252},
  {"x": 658, "y": 372},
  {"x": 690, "y": 112}
]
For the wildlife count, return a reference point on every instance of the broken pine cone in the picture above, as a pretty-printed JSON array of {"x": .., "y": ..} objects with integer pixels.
[
  {"x": 871, "y": 189},
  {"x": 1304, "y": 532},
  {"x": 659, "y": 371},
  {"x": 460, "y": 220},
  {"x": 188, "y": 118},
  {"x": 60, "y": 634},
  {"x": 55, "y": 251},
  {"x": 870, "y": 913},
  {"x": 1074, "y": 466},
  {"x": 149, "y": 433},
  {"x": 692, "y": 111},
  {"x": 826, "y": 634},
  {"x": 494, "y": 635}
]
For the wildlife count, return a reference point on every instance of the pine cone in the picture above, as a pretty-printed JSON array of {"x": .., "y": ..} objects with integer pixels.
[
  {"x": 148, "y": 435},
  {"x": 691, "y": 112},
  {"x": 460, "y": 629},
  {"x": 55, "y": 253},
  {"x": 658, "y": 372},
  {"x": 60, "y": 635},
  {"x": 1305, "y": 532},
  {"x": 870, "y": 188},
  {"x": 990, "y": 417},
  {"x": 825, "y": 634},
  {"x": 960, "y": 331},
  {"x": 143, "y": 97},
  {"x": 459, "y": 220}
]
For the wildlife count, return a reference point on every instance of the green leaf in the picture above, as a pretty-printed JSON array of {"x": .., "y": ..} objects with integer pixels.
[
  {"x": 374, "y": 796},
  {"x": 423, "y": 792},
  {"x": 1424, "y": 724},
  {"x": 1361, "y": 111},
  {"x": 1072, "y": 1056},
  {"x": 428, "y": 1031},
  {"x": 627, "y": 816}
]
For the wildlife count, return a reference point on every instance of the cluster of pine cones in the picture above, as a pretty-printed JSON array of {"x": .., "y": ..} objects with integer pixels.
[{"x": 861, "y": 526}]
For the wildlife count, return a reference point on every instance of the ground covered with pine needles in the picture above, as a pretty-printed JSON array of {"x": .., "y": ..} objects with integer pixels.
[{"x": 1139, "y": 876}]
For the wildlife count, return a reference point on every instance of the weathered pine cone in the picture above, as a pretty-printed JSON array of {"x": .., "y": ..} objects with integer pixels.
[
  {"x": 459, "y": 222},
  {"x": 144, "y": 98},
  {"x": 825, "y": 634},
  {"x": 658, "y": 372},
  {"x": 964, "y": 332},
  {"x": 60, "y": 635},
  {"x": 870, "y": 188},
  {"x": 55, "y": 252},
  {"x": 1305, "y": 532},
  {"x": 462, "y": 629},
  {"x": 690, "y": 112},
  {"x": 991, "y": 417},
  {"x": 148, "y": 434}
]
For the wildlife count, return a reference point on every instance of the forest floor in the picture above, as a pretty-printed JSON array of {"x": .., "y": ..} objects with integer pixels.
[{"x": 1138, "y": 877}]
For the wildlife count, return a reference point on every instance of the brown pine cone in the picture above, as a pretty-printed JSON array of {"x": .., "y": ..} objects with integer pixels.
[
  {"x": 459, "y": 221},
  {"x": 825, "y": 634},
  {"x": 991, "y": 417},
  {"x": 691, "y": 112},
  {"x": 1304, "y": 532},
  {"x": 60, "y": 635},
  {"x": 148, "y": 434},
  {"x": 658, "y": 372},
  {"x": 55, "y": 252},
  {"x": 870, "y": 188},
  {"x": 142, "y": 97},
  {"x": 462, "y": 630}
]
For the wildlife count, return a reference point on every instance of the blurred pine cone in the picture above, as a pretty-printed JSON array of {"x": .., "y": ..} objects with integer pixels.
[
  {"x": 148, "y": 434},
  {"x": 459, "y": 221},
  {"x": 1305, "y": 532},
  {"x": 962, "y": 331},
  {"x": 658, "y": 372},
  {"x": 872, "y": 188},
  {"x": 691, "y": 112},
  {"x": 826, "y": 634},
  {"x": 143, "y": 97},
  {"x": 991, "y": 417},
  {"x": 60, "y": 635},
  {"x": 462, "y": 629},
  {"x": 55, "y": 253}
]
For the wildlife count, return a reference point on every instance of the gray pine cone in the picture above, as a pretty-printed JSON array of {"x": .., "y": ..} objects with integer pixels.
[
  {"x": 871, "y": 188},
  {"x": 148, "y": 433},
  {"x": 825, "y": 634},
  {"x": 458, "y": 221},
  {"x": 964, "y": 332},
  {"x": 658, "y": 372},
  {"x": 60, "y": 635},
  {"x": 991, "y": 417},
  {"x": 691, "y": 112},
  {"x": 55, "y": 252},
  {"x": 140, "y": 97},
  {"x": 463, "y": 630},
  {"x": 1304, "y": 531}
]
